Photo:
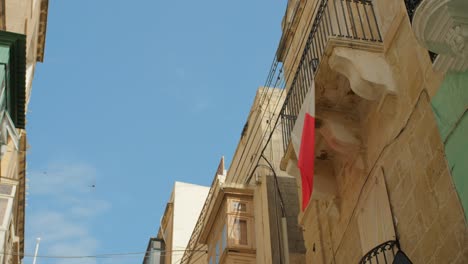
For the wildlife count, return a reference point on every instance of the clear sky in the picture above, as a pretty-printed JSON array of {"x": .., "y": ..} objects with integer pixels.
[{"x": 132, "y": 96}]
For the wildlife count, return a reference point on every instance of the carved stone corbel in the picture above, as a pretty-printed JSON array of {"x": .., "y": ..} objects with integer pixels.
[{"x": 369, "y": 74}]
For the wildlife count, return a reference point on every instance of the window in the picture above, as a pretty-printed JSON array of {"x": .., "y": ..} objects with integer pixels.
[
  {"x": 239, "y": 206},
  {"x": 240, "y": 223},
  {"x": 6, "y": 189},
  {"x": 239, "y": 231},
  {"x": 223, "y": 239},
  {"x": 3, "y": 208},
  {"x": 218, "y": 245}
]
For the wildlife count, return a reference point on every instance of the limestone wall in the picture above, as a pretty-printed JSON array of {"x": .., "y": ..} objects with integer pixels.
[{"x": 401, "y": 145}]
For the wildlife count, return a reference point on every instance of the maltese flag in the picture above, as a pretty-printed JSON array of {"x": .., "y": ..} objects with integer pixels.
[{"x": 303, "y": 140}]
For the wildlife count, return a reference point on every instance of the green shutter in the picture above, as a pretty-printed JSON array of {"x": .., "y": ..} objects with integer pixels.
[{"x": 16, "y": 75}]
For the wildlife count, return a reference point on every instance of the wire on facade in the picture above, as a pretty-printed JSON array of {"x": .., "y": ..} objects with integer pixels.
[
  {"x": 108, "y": 255},
  {"x": 267, "y": 84}
]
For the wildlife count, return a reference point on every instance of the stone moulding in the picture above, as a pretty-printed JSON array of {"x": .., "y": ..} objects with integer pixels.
[{"x": 442, "y": 27}]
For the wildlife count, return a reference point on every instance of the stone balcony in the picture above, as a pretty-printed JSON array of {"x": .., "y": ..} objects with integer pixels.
[{"x": 343, "y": 59}]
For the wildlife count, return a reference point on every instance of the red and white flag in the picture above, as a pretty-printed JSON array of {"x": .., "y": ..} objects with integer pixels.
[{"x": 303, "y": 140}]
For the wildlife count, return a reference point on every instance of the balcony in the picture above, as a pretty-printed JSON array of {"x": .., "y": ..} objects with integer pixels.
[{"x": 336, "y": 23}]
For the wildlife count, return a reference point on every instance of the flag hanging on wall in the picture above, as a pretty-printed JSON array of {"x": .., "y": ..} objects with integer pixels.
[{"x": 303, "y": 139}]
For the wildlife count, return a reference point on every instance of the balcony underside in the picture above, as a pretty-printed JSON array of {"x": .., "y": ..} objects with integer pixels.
[{"x": 351, "y": 75}]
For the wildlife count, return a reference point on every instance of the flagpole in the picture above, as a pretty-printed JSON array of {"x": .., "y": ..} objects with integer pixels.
[{"x": 38, "y": 240}]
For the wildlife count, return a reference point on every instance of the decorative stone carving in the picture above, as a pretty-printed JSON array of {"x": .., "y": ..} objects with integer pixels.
[
  {"x": 455, "y": 38},
  {"x": 369, "y": 74},
  {"x": 442, "y": 27}
]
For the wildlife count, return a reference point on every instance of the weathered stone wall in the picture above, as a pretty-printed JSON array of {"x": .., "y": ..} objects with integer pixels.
[
  {"x": 255, "y": 134},
  {"x": 401, "y": 142},
  {"x": 427, "y": 211},
  {"x": 287, "y": 187},
  {"x": 427, "y": 214}
]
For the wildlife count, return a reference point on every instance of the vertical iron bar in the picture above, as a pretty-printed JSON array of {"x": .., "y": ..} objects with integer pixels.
[
  {"x": 324, "y": 16},
  {"x": 323, "y": 24},
  {"x": 305, "y": 66},
  {"x": 315, "y": 56},
  {"x": 291, "y": 97},
  {"x": 282, "y": 126},
  {"x": 331, "y": 31},
  {"x": 376, "y": 24},
  {"x": 360, "y": 20},
  {"x": 344, "y": 16},
  {"x": 298, "y": 87},
  {"x": 317, "y": 29},
  {"x": 351, "y": 18},
  {"x": 308, "y": 59},
  {"x": 294, "y": 96},
  {"x": 337, "y": 21},
  {"x": 319, "y": 40},
  {"x": 285, "y": 131},
  {"x": 288, "y": 131},
  {"x": 368, "y": 21},
  {"x": 296, "y": 93},
  {"x": 304, "y": 83},
  {"x": 385, "y": 256}
]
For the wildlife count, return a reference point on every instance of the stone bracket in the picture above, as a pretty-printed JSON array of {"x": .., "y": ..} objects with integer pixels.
[{"x": 369, "y": 74}]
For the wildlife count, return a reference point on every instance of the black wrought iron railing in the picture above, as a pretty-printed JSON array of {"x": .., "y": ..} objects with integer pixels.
[
  {"x": 346, "y": 19},
  {"x": 382, "y": 254}
]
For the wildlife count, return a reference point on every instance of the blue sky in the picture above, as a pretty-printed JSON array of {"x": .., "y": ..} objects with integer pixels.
[{"x": 132, "y": 96}]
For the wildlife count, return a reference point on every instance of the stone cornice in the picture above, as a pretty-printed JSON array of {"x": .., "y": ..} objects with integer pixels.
[{"x": 44, "y": 9}]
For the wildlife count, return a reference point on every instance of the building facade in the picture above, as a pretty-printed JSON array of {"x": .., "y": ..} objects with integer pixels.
[
  {"x": 386, "y": 83},
  {"x": 23, "y": 26},
  {"x": 388, "y": 154},
  {"x": 155, "y": 251},
  {"x": 441, "y": 27},
  {"x": 179, "y": 219},
  {"x": 250, "y": 214}
]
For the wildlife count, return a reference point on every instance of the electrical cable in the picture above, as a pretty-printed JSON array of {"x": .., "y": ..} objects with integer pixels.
[
  {"x": 279, "y": 79},
  {"x": 282, "y": 208},
  {"x": 275, "y": 109},
  {"x": 278, "y": 118},
  {"x": 268, "y": 82},
  {"x": 106, "y": 255},
  {"x": 381, "y": 154}
]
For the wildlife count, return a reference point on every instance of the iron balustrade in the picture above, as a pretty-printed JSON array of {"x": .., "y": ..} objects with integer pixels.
[
  {"x": 345, "y": 19},
  {"x": 383, "y": 253},
  {"x": 386, "y": 253}
]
